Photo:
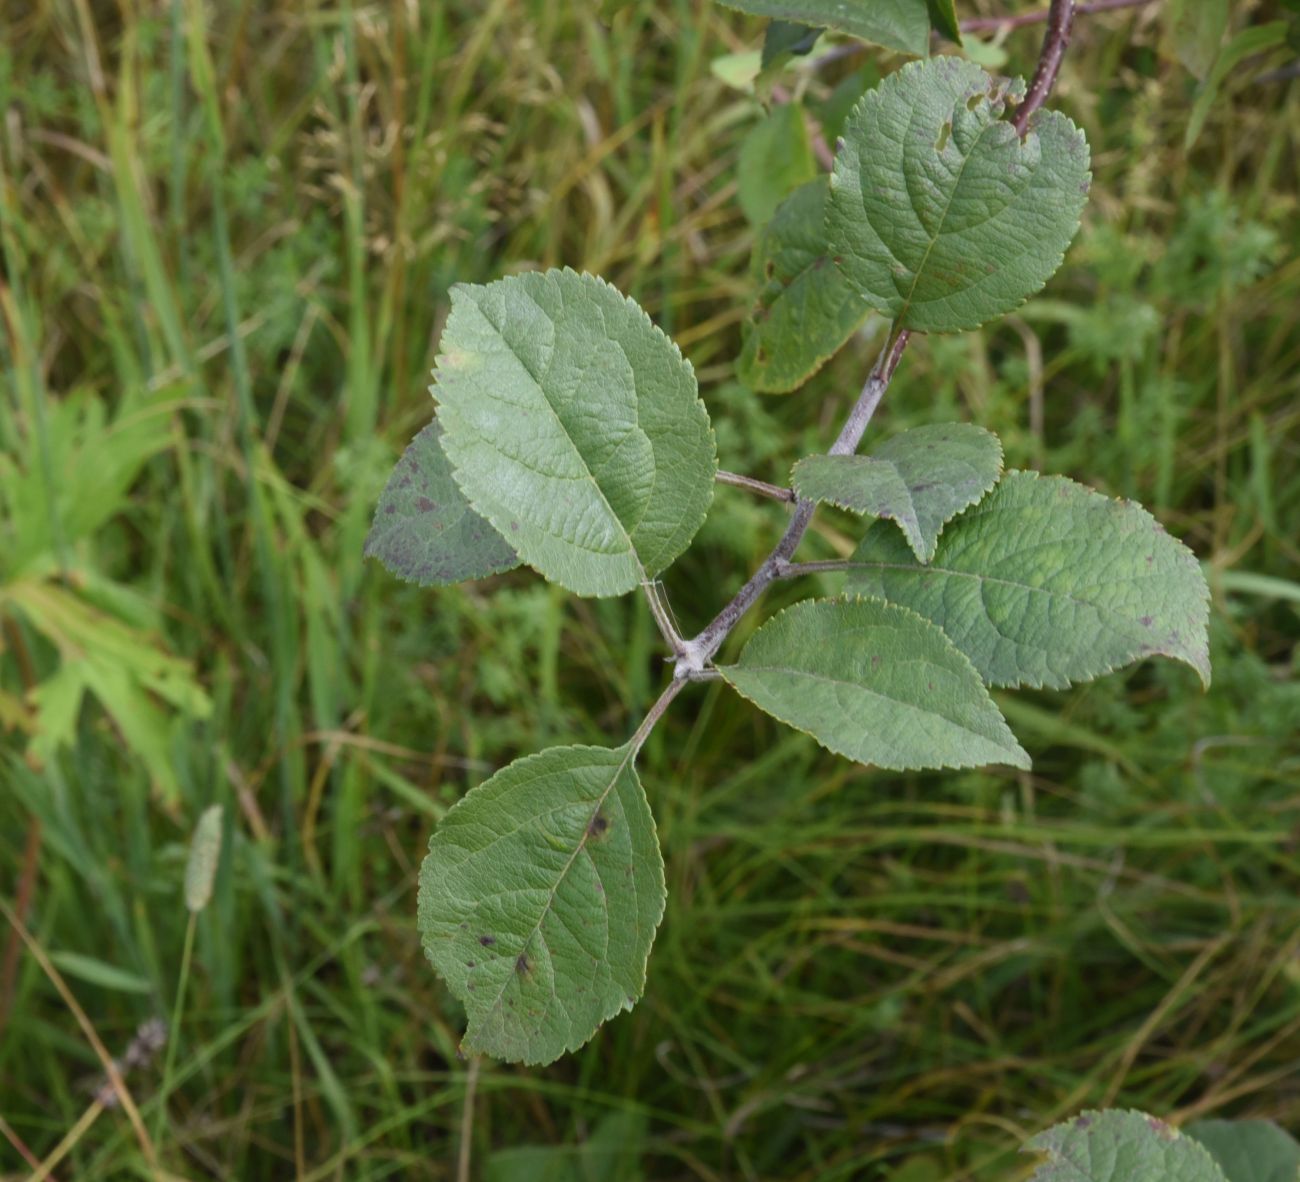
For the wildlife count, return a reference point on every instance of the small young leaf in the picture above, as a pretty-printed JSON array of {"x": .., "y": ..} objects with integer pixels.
[
  {"x": 920, "y": 479},
  {"x": 575, "y": 427},
  {"x": 806, "y": 308},
  {"x": 896, "y": 24},
  {"x": 1115, "y": 1146},
  {"x": 775, "y": 159},
  {"x": 1249, "y": 1150},
  {"x": 787, "y": 39},
  {"x": 425, "y": 530},
  {"x": 876, "y": 683},
  {"x": 1045, "y": 583},
  {"x": 943, "y": 217},
  {"x": 943, "y": 16},
  {"x": 539, "y": 900}
]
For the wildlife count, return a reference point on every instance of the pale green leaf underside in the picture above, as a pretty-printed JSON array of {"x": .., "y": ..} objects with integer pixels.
[
  {"x": 1249, "y": 1150},
  {"x": 1116, "y": 1146},
  {"x": 539, "y": 900},
  {"x": 425, "y": 530},
  {"x": 806, "y": 309},
  {"x": 896, "y": 24},
  {"x": 1045, "y": 583},
  {"x": 775, "y": 159},
  {"x": 919, "y": 479},
  {"x": 941, "y": 216},
  {"x": 574, "y": 426},
  {"x": 876, "y": 683}
]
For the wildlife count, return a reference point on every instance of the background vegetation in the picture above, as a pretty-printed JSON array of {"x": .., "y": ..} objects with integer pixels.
[{"x": 226, "y": 254}]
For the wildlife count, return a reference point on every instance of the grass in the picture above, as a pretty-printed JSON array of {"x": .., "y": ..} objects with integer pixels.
[{"x": 226, "y": 253}]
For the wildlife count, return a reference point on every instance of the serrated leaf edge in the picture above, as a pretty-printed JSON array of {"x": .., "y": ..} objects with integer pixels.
[
  {"x": 923, "y": 559},
  {"x": 440, "y": 357},
  {"x": 467, "y": 1044},
  {"x": 1014, "y": 87},
  {"x": 1035, "y": 1144},
  {"x": 1030, "y": 682},
  {"x": 832, "y": 599}
]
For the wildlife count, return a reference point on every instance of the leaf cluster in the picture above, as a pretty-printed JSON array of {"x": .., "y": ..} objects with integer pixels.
[{"x": 570, "y": 436}]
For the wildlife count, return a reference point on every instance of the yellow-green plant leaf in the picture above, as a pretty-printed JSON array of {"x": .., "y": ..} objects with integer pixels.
[
  {"x": 806, "y": 309},
  {"x": 874, "y": 682},
  {"x": 775, "y": 159},
  {"x": 539, "y": 900},
  {"x": 896, "y": 24},
  {"x": 940, "y": 215},
  {"x": 425, "y": 531},
  {"x": 1117, "y": 1146},
  {"x": 918, "y": 479},
  {"x": 575, "y": 427},
  {"x": 1046, "y": 583}
]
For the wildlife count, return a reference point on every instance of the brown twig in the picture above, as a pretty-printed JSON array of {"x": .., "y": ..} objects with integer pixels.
[
  {"x": 1060, "y": 24},
  {"x": 700, "y": 649}
]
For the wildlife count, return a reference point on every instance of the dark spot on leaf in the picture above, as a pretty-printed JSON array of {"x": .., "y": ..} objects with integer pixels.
[
  {"x": 875, "y": 660},
  {"x": 598, "y": 825},
  {"x": 1145, "y": 621},
  {"x": 390, "y": 508},
  {"x": 523, "y": 966},
  {"x": 761, "y": 356},
  {"x": 425, "y": 505},
  {"x": 769, "y": 269},
  {"x": 469, "y": 964},
  {"x": 1083, "y": 1122},
  {"x": 487, "y": 941}
]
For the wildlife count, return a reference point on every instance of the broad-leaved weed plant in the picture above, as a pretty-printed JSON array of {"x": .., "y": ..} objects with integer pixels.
[{"x": 570, "y": 436}]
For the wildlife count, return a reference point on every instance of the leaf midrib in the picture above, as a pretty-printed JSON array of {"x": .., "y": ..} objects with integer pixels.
[
  {"x": 628, "y": 755},
  {"x": 564, "y": 431}
]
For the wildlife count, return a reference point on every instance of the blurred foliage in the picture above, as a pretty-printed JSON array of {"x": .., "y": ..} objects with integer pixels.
[{"x": 227, "y": 245}]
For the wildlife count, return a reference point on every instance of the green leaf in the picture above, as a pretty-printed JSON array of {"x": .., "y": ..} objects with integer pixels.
[
  {"x": 775, "y": 158},
  {"x": 425, "y": 531},
  {"x": 575, "y": 427},
  {"x": 942, "y": 217},
  {"x": 539, "y": 900},
  {"x": 876, "y": 683},
  {"x": 1045, "y": 583},
  {"x": 1115, "y": 1146},
  {"x": 611, "y": 1154},
  {"x": 1249, "y": 1150},
  {"x": 806, "y": 309},
  {"x": 919, "y": 479},
  {"x": 787, "y": 39},
  {"x": 97, "y": 972},
  {"x": 896, "y": 24},
  {"x": 943, "y": 16}
]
